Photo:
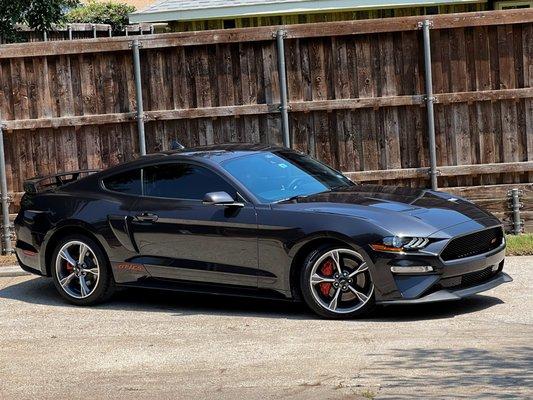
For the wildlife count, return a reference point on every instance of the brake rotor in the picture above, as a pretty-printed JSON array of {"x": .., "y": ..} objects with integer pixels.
[{"x": 326, "y": 269}]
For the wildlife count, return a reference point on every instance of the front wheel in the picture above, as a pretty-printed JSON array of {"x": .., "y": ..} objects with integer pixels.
[
  {"x": 336, "y": 283},
  {"x": 80, "y": 271}
]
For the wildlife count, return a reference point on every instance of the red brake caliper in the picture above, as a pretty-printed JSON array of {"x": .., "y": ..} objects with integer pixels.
[
  {"x": 327, "y": 270},
  {"x": 69, "y": 267}
]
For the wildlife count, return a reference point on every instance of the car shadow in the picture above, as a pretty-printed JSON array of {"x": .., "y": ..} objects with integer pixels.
[
  {"x": 41, "y": 291},
  {"x": 483, "y": 373}
]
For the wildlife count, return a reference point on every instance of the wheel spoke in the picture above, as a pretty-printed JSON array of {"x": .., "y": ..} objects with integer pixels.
[
  {"x": 316, "y": 279},
  {"x": 84, "y": 289},
  {"x": 333, "y": 304},
  {"x": 66, "y": 256},
  {"x": 83, "y": 250},
  {"x": 361, "y": 296},
  {"x": 93, "y": 271},
  {"x": 362, "y": 268},
  {"x": 336, "y": 259},
  {"x": 66, "y": 280}
]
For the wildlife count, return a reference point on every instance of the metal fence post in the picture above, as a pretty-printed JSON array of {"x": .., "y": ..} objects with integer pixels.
[
  {"x": 45, "y": 36},
  {"x": 284, "y": 107},
  {"x": 516, "y": 205},
  {"x": 94, "y": 31},
  {"x": 6, "y": 224},
  {"x": 110, "y": 31},
  {"x": 426, "y": 25},
  {"x": 69, "y": 32},
  {"x": 135, "y": 45}
]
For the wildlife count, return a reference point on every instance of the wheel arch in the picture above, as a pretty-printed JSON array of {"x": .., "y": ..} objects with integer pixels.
[
  {"x": 71, "y": 228},
  {"x": 305, "y": 247}
]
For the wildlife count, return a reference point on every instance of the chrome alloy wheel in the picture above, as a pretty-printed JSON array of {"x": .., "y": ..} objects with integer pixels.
[
  {"x": 340, "y": 281},
  {"x": 77, "y": 269}
]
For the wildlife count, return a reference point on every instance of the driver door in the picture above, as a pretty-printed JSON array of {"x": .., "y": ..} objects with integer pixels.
[{"x": 180, "y": 238}]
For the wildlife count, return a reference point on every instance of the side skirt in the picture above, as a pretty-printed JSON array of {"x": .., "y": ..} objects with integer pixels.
[{"x": 193, "y": 287}]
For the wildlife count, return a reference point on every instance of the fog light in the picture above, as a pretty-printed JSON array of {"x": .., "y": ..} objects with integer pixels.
[
  {"x": 412, "y": 269},
  {"x": 495, "y": 268}
]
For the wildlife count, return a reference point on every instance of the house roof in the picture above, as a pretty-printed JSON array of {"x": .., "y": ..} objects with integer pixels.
[
  {"x": 138, "y": 4},
  {"x": 188, "y": 10}
]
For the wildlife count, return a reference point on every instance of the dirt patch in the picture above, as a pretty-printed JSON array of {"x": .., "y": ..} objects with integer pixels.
[{"x": 8, "y": 260}]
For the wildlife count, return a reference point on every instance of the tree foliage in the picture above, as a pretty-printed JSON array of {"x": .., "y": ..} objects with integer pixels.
[
  {"x": 110, "y": 12},
  {"x": 37, "y": 14}
]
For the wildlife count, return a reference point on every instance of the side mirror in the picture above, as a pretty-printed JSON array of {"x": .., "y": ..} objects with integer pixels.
[{"x": 220, "y": 199}]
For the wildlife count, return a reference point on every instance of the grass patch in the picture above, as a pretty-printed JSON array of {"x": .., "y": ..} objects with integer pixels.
[
  {"x": 520, "y": 245},
  {"x": 368, "y": 394}
]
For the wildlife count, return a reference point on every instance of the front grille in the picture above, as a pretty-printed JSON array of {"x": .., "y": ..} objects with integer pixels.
[{"x": 473, "y": 244}]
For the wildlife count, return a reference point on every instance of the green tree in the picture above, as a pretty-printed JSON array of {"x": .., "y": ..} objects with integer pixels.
[
  {"x": 110, "y": 12},
  {"x": 37, "y": 14}
]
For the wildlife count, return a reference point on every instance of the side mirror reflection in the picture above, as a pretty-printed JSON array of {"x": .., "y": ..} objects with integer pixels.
[{"x": 222, "y": 199}]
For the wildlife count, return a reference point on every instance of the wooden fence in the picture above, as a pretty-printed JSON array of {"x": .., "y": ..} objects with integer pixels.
[{"x": 356, "y": 92}]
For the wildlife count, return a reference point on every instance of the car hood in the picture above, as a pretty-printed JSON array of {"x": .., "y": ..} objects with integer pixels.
[{"x": 398, "y": 208}]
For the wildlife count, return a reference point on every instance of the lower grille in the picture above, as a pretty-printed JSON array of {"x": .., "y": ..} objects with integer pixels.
[
  {"x": 467, "y": 280},
  {"x": 473, "y": 244},
  {"x": 478, "y": 277}
]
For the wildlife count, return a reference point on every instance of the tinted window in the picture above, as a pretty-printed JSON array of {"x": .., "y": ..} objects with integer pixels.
[
  {"x": 183, "y": 181},
  {"x": 127, "y": 182},
  {"x": 281, "y": 175}
]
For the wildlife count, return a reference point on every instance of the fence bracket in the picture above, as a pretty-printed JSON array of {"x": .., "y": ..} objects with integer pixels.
[
  {"x": 139, "y": 44},
  {"x": 420, "y": 24}
]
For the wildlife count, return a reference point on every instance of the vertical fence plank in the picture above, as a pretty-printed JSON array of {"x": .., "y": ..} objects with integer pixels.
[
  {"x": 527, "y": 59},
  {"x": 508, "y": 107}
]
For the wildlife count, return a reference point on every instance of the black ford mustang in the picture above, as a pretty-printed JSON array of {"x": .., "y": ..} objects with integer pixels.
[{"x": 254, "y": 220}]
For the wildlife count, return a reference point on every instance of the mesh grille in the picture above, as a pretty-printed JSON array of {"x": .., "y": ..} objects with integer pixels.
[
  {"x": 473, "y": 244},
  {"x": 467, "y": 280},
  {"x": 475, "y": 278}
]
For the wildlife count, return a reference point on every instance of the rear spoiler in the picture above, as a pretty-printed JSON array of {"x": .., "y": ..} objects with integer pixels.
[{"x": 42, "y": 183}]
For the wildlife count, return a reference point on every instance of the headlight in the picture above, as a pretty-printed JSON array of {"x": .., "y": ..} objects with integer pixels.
[{"x": 399, "y": 244}]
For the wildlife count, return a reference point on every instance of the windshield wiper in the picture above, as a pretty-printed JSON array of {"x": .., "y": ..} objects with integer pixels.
[{"x": 293, "y": 198}]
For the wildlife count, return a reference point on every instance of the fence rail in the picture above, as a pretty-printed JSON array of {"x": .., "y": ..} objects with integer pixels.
[{"x": 356, "y": 97}]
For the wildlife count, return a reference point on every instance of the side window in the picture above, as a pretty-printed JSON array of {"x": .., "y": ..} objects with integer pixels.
[
  {"x": 183, "y": 181},
  {"x": 128, "y": 182}
]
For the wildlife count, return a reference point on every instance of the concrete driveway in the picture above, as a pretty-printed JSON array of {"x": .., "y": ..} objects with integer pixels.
[{"x": 151, "y": 345}]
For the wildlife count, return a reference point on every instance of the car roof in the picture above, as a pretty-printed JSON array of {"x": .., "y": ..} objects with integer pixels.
[{"x": 213, "y": 153}]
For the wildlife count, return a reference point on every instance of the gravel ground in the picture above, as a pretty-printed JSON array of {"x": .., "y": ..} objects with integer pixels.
[
  {"x": 148, "y": 345},
  {"x": 8, "y": 260}
]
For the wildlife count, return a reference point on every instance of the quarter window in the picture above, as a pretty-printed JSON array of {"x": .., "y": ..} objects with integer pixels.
[
  {"x": 182, "y": 181},
  {"x": 128, "y": 182}
]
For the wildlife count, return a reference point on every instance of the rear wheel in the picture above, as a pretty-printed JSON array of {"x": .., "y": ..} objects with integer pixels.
[
  {"x": 336, "y": 283},
  {"x": 80, "y": 271}
]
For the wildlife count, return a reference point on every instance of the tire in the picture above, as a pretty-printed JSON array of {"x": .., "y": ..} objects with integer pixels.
[
  {"x": 332, "y": 294},
  {"x": 68, "y": 273}
]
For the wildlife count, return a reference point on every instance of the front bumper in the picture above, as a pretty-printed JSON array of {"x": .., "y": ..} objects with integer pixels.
[
  {"x": 448, "y": 295},
  {"x": 449, "y": 280}
]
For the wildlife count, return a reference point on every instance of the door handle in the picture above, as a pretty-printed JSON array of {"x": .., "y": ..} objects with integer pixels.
[{"x": 146, "y": 217}]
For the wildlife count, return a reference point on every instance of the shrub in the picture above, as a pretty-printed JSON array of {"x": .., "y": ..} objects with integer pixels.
[
  {"x": 37, "y": 14},
  {"x": 110, "y": 12}
]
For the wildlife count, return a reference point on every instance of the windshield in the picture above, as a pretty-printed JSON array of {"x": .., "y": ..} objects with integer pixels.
[{"x": 273, "y": 177}]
